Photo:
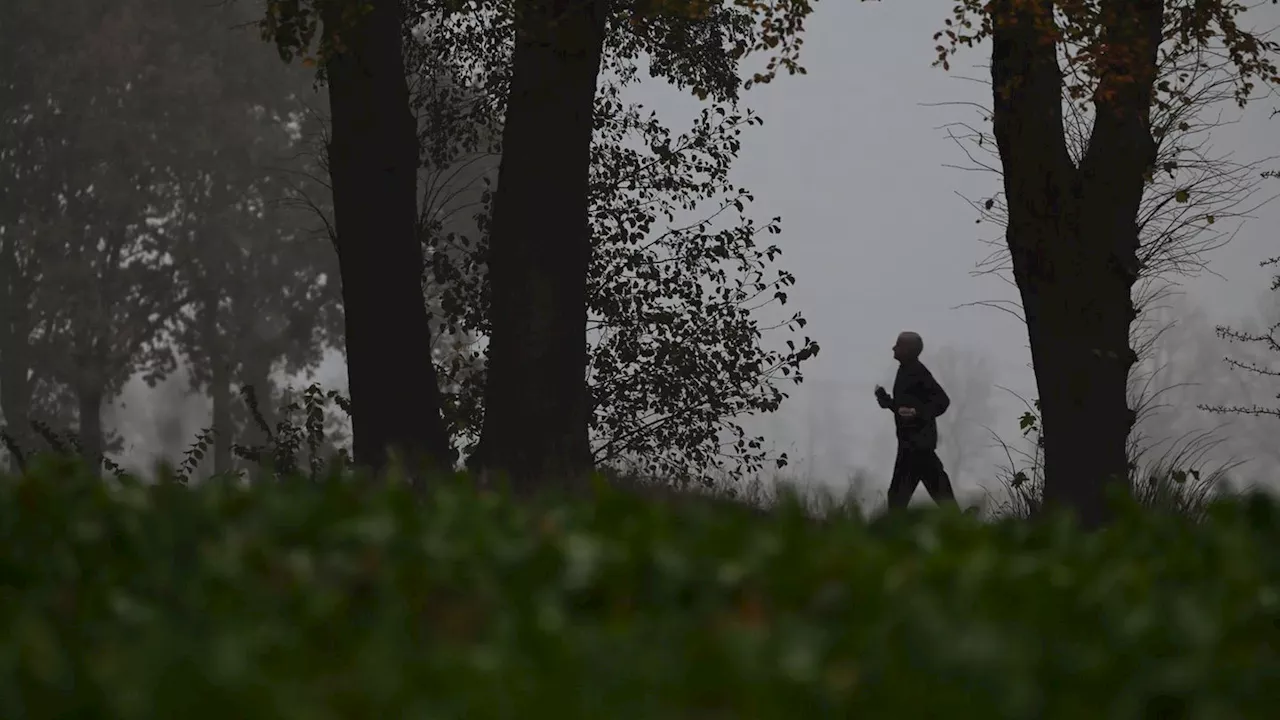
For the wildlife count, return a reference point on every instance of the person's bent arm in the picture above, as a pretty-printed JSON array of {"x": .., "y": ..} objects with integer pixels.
[
  {"x": 885, "y": 400},
  {"x": 935, "y": 400}
]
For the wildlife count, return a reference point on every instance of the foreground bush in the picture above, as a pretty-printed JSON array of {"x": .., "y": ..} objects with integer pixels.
[{"x": 338, "y": 600}]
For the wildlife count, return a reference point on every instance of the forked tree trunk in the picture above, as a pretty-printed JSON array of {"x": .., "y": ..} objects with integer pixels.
[
  {"x": 537, "y": 407},
  {"x": 373, "y": 163},
  {"x": 1073, "y": 237}
]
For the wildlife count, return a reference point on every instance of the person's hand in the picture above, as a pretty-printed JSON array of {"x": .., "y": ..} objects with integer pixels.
[
  {"x": 882, "y": 397},
  {"x": 906, "y": 412}
]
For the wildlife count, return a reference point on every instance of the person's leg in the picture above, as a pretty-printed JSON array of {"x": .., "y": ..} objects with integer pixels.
[
  {"x": 934, "y": 476},
  {"x": 903, "y": 484}
]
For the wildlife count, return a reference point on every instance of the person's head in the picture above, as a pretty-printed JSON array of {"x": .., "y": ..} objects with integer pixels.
[{"x": 908, "y": 347}]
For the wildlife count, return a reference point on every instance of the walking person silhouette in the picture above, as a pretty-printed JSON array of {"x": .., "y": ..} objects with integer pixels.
[{"x": 917, "y": 401}]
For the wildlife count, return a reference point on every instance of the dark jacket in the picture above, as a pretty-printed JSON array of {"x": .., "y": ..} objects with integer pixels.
[{"x": 914, "y": 387}]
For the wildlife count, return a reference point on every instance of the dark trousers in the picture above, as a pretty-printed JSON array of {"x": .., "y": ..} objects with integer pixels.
[{"x": 914, "y": 466}]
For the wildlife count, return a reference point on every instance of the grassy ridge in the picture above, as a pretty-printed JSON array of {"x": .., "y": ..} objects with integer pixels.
[{"x": 339, "y": 601}]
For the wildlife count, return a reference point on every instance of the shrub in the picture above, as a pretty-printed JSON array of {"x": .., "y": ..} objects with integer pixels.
[{"x": 338, "y": 599}]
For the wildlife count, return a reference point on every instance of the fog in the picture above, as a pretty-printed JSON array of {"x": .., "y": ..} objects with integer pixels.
[{"x": 856, "y": 158}]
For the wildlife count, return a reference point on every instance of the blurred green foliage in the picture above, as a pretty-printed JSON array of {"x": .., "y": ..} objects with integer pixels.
[{"x": 342, "y": 598}]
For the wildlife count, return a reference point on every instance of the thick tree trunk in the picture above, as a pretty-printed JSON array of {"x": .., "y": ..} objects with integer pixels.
[
  {"x": 1073, "y": 238},
  {"x": 537, "y": 407},
  {"x": 89, "y": 396},
  {"x": 373, "y": 162}
]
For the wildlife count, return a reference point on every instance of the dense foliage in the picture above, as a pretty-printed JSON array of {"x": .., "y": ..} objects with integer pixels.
[
  {"x": 334, "y": 599},
  {"x": 686, "y": 323}
]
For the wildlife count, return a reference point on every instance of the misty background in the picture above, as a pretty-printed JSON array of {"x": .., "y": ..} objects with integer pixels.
[{"x": 859, "y": 158}]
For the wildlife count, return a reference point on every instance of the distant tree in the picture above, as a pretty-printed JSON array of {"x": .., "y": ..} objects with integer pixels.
[
  {"x": 271, "y": 316},
  {"x": 103, "y": 286},
  {"x": 1075, "y": 220},
  {"x": 165, "y": 255},
  {"x": 268, "y": 299},
  {"x": 114, "y": 307},
  {"x": 262, "y": 283}
]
